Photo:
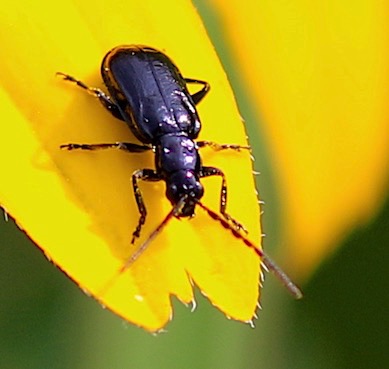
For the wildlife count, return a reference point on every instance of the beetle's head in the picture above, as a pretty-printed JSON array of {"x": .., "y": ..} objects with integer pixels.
[{"x": 184, "y": 184}]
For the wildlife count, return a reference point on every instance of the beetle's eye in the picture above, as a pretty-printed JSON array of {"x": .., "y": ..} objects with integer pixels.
[{"x": 172, "y": 193}]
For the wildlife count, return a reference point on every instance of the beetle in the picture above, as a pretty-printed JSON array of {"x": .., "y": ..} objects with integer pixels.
[{"x": 148, "y": 92}]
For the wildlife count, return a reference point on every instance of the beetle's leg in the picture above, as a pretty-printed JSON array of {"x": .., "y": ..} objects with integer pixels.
[
  {"x": 212, "y": 171},
  {"x": 198, "y": 96},
  {"x": 144, "y": 175},
  {"x": 218, "y": 147},
  {"x": 96, "y": 92},
  {"x": 126, "y": 146}
]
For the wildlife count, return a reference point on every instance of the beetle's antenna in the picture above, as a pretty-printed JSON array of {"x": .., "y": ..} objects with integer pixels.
[
  {"x": 176, "y": 210},
  {"x": 266, "y": 260}
]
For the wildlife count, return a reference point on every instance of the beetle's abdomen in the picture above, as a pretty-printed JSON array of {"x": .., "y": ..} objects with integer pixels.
[{"x": 150, "y": 92}]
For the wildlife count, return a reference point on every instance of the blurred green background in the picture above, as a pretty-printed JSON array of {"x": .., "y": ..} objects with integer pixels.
[
  {"x": 47, "y": 322},
  {"x": 343, "y": 321}
]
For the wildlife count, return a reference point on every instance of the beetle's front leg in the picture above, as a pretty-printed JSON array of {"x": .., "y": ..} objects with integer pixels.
[
  {"x": 144, "y": 175},
  {"x": 212, "y": 171}
]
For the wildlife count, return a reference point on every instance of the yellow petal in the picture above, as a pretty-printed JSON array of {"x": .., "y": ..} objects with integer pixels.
[
  {"x": 79, "y": 206},
  {"x": 319, "y": 73}
]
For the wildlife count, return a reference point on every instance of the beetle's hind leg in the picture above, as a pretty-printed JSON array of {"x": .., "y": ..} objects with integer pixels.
[
  {"x": 218, "y": 147},
  {"x": 105, "y": 100},
  {"x": 212, "y": 171},
  {"x": 198, "y": 96}
]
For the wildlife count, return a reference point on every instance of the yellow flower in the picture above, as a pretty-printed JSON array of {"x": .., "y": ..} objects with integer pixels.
[
  {"x": 319, "y": 74},
  {"x": 78, "y": 207}
]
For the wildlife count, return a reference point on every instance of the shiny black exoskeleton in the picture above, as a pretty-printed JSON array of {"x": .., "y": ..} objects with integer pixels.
[{"x": 148, "y": 92}]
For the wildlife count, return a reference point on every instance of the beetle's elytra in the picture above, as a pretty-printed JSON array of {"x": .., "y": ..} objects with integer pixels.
[{"x": 148, "y": 92}]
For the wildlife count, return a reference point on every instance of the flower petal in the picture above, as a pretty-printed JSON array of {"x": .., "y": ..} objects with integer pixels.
[
  {"x": 319, "y": 74},
  {"x": 79, "y": 206}
]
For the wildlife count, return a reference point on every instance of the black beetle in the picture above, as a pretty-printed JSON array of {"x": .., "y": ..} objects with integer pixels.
[{"x": 148, "y": 92}]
